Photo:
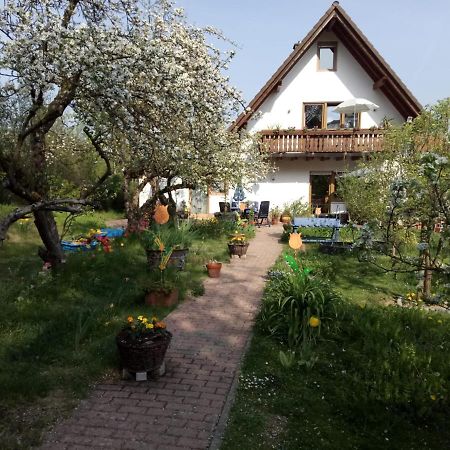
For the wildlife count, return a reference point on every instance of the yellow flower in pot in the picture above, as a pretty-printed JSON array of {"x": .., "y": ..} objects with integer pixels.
[
  {"x": 142, "y": 344},
  {"x": 238, "y": 245}
]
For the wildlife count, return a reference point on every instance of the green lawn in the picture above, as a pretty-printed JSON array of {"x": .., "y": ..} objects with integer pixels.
[
  {"x": 57, "y": 330},
  {"x": 377, "y": 378}
]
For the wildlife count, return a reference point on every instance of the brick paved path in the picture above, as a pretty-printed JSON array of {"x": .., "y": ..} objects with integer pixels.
[{"x": 181, "y": 410}]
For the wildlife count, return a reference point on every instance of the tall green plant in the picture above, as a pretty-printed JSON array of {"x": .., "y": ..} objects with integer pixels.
[{"x": 295, "y": 307}]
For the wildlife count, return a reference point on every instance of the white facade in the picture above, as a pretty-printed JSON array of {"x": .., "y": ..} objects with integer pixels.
[
  {"x": 306, "y": 84},
  {"x": 284, "y": 108}
]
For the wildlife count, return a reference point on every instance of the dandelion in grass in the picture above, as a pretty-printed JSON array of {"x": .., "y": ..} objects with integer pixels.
[{"x": 314, "y": 321}]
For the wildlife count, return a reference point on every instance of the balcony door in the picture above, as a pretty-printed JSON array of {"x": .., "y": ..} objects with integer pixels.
[
  {"x": 322, "y": 116},
  {"x": 322, "y": 185}
]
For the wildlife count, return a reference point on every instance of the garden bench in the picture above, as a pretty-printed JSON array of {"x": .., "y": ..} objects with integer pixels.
[{"x": 318, "y": 222}]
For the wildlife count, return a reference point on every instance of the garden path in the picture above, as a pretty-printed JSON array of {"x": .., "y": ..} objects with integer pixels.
[{"x": 188, "y": 407}]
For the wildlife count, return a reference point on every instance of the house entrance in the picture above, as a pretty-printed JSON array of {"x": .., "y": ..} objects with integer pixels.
[{"x": 322, "y": 185}]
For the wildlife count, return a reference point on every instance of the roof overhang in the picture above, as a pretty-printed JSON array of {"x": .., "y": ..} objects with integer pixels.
[{"x": 384, "y": 78}]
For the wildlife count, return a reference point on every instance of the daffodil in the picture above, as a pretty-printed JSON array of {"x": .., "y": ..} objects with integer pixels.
[
  {"x": 140, "y": 317},
  {"x": 149, "y": 326}
]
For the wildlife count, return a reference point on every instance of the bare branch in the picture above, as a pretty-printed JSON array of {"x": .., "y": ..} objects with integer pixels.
[
  {"x": 96, "y": 142},
  {"x": 71, "y": 205}
]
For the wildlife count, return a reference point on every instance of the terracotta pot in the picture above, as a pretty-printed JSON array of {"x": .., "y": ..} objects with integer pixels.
[
  {"x": 214, "y": 269},
  {"x": 286, "y": 219},
  {"x": 177, "y": 258},
  {"x": 238, "y": 249},
  {"x": 275, "y": 220},
  {"x": 162, "y": 298}
]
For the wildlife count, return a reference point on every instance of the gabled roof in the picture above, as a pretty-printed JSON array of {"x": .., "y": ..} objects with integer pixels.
[{"x": 337, "y": 21}]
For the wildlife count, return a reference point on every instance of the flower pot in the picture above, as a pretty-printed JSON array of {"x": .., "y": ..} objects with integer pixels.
[
  {"x": 275, "y": 220},
  {"x": 162, "y": 298},
  {"x": 214, "y": 269},
  {"x": 238, "y": 249},
  {"x": 285, "y": 219},
  {"x": 177, "y": 258},
  {"x": 145, "y": 354}
]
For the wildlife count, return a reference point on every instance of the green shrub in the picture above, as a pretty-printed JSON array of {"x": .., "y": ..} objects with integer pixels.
[
  {"x": 177, "y": 236},
  {"x": 213, "y": 228},
  {"x": 297, "y": 208},
  {"x": 291, "y": 302}
]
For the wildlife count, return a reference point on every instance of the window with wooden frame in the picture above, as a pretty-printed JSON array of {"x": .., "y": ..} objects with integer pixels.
[
  {"x": 323, "y": 116},
  {"x": 327, "y": 56}
]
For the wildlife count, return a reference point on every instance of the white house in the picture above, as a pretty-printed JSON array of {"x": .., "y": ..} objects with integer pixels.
[{"x": 294, "y": 111}]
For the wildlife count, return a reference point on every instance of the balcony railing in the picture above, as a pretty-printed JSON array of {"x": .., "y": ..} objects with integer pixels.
[{"x": 322, "y": 141}]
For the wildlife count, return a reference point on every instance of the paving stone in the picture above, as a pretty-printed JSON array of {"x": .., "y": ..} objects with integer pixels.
[{"x": 184, "y": 409}]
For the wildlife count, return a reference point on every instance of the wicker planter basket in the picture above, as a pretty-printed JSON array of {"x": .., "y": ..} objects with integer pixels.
[
  {"x": 177, "y": 258},
  {"x": 238, "y": 249},
  {"x": 143, "y": 355}
]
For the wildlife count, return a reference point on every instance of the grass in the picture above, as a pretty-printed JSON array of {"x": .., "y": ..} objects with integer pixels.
[
  {"x": 361, "y": 283},
  {"x": 57, "y": 330},
  {"x": 377, "y": 378}
]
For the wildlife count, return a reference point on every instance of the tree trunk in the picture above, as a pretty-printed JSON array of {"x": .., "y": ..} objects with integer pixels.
[
  {"x": 427, "y": 283},
  {"x": 48, "y": 231},
  {"x": 427, "y": 275},
  {"x": 131, "y": 205}
]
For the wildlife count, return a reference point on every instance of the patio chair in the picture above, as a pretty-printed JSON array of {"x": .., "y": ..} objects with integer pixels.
[{"x": 263, "y": 214}]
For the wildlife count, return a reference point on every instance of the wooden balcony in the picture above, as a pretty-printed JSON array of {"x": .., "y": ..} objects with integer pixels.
[{"x": 322, "y": 141}]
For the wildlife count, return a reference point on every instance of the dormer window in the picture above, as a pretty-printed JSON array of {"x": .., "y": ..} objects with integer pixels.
[{"x": 327, "y": 55}]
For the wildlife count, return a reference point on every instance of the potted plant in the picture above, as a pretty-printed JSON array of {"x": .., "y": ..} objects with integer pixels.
[
  {"x": 142, "y": 344},
  {"x": 213, "y": 267},
  {"x": 161, "y": 286},
  {"x": 177, "y": 236},
  {"x": 286, "y": 216},
  {"x": 251, "y": 217},
  {"x": 238, "y": 244},
  {"x": 275, "y": 215}
]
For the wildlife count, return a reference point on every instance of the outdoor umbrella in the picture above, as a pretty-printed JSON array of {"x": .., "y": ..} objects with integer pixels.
[{"x": 355, "y": 105}]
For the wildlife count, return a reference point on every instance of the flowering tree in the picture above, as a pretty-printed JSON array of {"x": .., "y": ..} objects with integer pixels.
[
  {"x": 403, "y": 196},
  {"x": 144, "y": 87}
]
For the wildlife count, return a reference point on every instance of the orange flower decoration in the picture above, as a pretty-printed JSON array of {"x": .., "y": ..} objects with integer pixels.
[
  {"x": 160, "y": 325},
  {"x": 130, "y": 319},
  {"x": 295, "y": 241},
  {"x": 161, "y": 215}
]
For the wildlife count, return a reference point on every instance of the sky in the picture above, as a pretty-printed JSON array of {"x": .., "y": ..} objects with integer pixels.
[{"x": 413, "y": 36}]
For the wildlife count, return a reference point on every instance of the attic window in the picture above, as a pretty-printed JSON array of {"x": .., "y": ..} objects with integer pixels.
[{"x": 326, "y": 54}]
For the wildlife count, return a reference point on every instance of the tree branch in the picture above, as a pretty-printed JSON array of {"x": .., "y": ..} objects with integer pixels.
[
  {"x": 56, "y": 108},
  {"x": 61, "y": 204},
  {"x": 97, "y": 145}
]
